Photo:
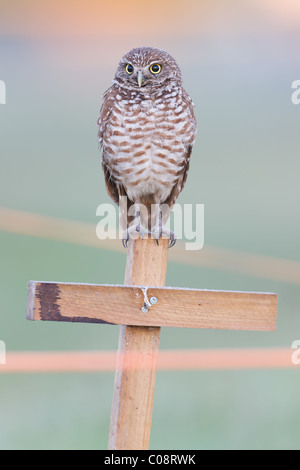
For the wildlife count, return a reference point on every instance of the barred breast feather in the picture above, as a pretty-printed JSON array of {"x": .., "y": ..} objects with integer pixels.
[{"x": 147, "y": 140}]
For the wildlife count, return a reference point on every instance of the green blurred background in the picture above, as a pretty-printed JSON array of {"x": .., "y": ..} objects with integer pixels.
[{"x": 239, "y": 59}]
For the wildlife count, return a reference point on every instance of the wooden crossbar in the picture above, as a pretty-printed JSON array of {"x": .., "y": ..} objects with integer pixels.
[
  {"x": 175, "y": 307},
  {"x": 142, "y": 306}
]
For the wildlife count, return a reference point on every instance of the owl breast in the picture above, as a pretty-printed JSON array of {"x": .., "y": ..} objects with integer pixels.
[{"x": 146, "y": 139}]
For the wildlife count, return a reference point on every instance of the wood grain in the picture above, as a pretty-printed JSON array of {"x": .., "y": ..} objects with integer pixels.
[
  {"x": 133, "y": 396},
  {"x": 175, "y": 307},
  {"x": 139, "y": 337}
]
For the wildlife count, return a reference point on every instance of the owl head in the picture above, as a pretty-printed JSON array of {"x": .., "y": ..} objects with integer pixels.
[{"x": 146, "y": 67}]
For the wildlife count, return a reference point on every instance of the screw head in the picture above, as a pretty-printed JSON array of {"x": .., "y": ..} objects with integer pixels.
[
  {"x": 145, "y": 309},
  {"x": 153, "y": 300}
]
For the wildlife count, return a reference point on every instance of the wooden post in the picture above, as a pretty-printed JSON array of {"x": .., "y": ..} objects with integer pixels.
[
  {"x": 144, "y": 305},
  {"x": 134, "y": 386}
]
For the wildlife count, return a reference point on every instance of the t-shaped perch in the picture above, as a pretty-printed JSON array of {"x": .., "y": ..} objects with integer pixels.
[{"x": 143, "y": 305}]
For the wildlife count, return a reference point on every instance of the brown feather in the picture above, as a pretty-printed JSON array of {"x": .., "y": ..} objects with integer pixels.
[{"x": 146, "y": 133}]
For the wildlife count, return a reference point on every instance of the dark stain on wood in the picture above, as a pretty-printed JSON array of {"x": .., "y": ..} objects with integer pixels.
[
  {"x": 48, "y": 295},
  {"x": 49, "y": 298}
]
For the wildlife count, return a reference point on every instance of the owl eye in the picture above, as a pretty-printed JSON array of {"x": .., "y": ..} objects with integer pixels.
[
  {"x": 155, "y": 68},
  {"x": 129, "y": 69}
]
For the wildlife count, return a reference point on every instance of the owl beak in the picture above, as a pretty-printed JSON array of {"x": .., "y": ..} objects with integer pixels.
[{"x": 140, "y": 78}]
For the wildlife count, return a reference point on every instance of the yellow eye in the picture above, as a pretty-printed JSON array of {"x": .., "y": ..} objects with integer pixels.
[
  {"x": 129, "y": 69},
  {"x": 155, "y": 68}
]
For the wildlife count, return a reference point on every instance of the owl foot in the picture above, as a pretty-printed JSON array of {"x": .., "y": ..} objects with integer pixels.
[
  {"x": 133, "y": 232},
  {"x": 172, "y": 239},
  {"x": 164, "y": 233}
]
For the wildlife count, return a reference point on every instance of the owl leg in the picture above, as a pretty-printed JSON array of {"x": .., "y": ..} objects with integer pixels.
[
  {"x": 134, "y": 231},
  {"x": 160, "y": 230}
]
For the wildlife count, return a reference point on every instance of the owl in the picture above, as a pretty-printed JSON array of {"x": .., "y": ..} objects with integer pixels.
[{"x": 147, "y": 129}]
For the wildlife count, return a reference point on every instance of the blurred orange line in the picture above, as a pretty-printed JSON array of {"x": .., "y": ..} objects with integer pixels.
[
  {"x": 80, "y": 233},
  {"x": 211, "y": 359}
]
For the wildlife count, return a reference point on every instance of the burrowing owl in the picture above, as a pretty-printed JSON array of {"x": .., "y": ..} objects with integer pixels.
[{"x": 147, "y": 129}]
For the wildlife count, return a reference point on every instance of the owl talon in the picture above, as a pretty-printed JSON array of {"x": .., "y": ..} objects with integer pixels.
[
  {"x": 165, "y": 234},
  {"x": 133, "y": 232},
  {"x": 171, "y": 236},
  {"x": 125, "y": 239},
  {"x": 172, "y": 240}
]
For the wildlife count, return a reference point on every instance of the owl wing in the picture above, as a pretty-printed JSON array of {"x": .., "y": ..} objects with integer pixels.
[
  {"x": 189, "y": 142},
  {"x": 114, "y": 190},
  {"x": 179, "y": 185}
]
